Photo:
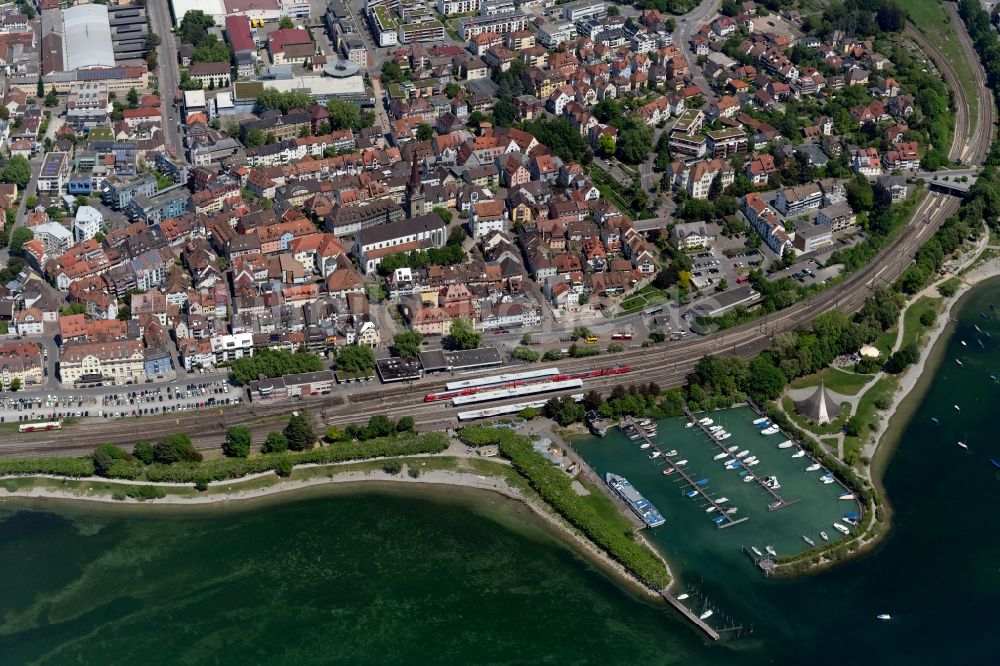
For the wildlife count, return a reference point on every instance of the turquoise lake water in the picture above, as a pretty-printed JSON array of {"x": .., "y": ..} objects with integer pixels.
[{"x": 379, "y": 576}]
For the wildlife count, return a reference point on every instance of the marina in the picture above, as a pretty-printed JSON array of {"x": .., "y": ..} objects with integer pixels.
[{"x": 696, "y": 487}]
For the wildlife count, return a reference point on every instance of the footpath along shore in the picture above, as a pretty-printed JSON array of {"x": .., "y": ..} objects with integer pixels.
[{"x": 286, "y": 487}]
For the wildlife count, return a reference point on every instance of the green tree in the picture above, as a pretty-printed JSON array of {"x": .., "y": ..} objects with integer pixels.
[
  {"x": 343, "y": 115},
  {"x": 446, "y": 216},
  {"x": 355, "y": 358},
  {"x": 194, "y": 27},
  {"x": 525, "y": 354},
  {"x": 237, "y": 444},
  {"x": 175, "y": 448},
  {"x": 40, "y": 88},
  {"x": 452, "y": 90},
  {"x": 392, "y": 72},
  {"x": 504, "y": 112},
  {"x": 15, "y": 384},
  {"x": 424, "y": 132},
  {"x": 144, "y": 451},
  {"x": 635, "y": 141},
  {"x": 18, "y": 238},
  {"x": 16, "y": 171},
  {"x": 407, "y": 343},
  {"x": 276, "y": 442},
  {"x": 606, "y": 144},
  {"x": 405, "y": 424},
  {"x": 765, "y": 381},
  {"x": 255, "y": 138},
  {"x": 104, "y": 456},
  {"x": 463, "y": 334},
  {"x": 132, "y": 97},
  {"x": 299, "y": 433},
  {"x": 860, "y": 195},
  {"x": 286, "y": 23}
]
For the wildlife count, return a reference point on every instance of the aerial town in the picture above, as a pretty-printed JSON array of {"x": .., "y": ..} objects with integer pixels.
[{"x": 187, "y": 185}]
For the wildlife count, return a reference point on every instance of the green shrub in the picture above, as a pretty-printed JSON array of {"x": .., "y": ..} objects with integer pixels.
[{"x": 392, "y": 467}]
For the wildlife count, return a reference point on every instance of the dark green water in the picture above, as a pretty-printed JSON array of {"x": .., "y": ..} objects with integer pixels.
[{"x": 383, "y": 577}]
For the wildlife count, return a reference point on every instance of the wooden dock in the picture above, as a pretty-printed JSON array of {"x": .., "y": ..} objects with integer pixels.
[
  {"x": 719, "y": 508},
  {"x": 689, "y": 614},
  {"x": 778, "y": 502}
]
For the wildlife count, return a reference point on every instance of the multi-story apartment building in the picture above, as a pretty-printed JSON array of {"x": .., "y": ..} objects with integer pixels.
[{"x": 100, "y": 363}]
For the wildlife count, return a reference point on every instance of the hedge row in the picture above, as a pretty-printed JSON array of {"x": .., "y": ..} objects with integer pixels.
[
  {"x": 59, "y": 466},
  {"x": 554, "y": 487},
  {"x": 233, "y": 468}
]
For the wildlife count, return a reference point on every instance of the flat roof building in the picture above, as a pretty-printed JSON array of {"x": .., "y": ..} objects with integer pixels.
[
  {"x": 398, "y": 369},
  {"x": 440, "y": 360},
  {"x": 87, "y": 38}
]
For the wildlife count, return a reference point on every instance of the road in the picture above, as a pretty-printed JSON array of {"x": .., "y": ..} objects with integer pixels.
[
  {"x": 168, "y": 72},
  {"x": 36, "y": 166},
  {"x": 687, "y": 25}
]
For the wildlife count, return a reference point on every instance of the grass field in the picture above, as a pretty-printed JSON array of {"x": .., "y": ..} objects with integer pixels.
[
  {"x": 646, "y": 297},
  {"x": 913, "y": 330},
  {"x": 605, "y": 508},
  {"x": 885, "y": 341},
  {"x": 838, "y": 381},
  {"x": 929, "y": 16},
  {"x": 881, "y": 390}
]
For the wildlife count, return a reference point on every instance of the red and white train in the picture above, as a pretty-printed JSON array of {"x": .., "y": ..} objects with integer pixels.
[
  {"x": 40, "y": 427},
  {"x": 473, "y": 390}
]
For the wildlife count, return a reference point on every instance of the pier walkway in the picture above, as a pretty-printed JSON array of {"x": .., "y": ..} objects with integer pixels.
[
  {"x": 689, "y": 614},
  {"x": 778, "y": 502},
  {"x": 720, "y": 510}
]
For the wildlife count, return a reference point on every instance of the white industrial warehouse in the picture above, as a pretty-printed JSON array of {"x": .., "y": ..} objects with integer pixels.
[{"x": 87, "y": 38}]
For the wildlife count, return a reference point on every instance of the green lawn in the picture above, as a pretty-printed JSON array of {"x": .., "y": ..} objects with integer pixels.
[
  {"x": 883, "y": 388},
  {"x": 646, "y": 297},
  {"x": 929, "y": 16},
  {"x": 605, "y": 508},
  {"x": 838, "y": 381},
  {"x": 885, "y": 341},
  {"x": 913, "y": 330}
]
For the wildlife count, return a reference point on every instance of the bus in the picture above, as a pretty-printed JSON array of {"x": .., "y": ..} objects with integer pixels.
[{"x": 40, "y": 427}]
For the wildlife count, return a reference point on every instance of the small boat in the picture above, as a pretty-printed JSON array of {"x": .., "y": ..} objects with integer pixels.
[
  {"x": 799, "y": 453},
  {"x": 987, "y": 334},
  {"x": 730, "y": 464},
  {"x": 847, "y": 496},
  {"x": 786, "y": 444},
  {"x": 701, "y": 482},
  {"x": 840, "y": 528},
  {"x": 827, "y": 480},
  {"x": 655, "y": 454},
  {"x": 724, "y": 436},
  {"x": 691, "y": 493},
  {"x": 668, "y": 470},
  {"x": 983, "y": 315},
  {"x": 884, "y": 617},
  {"x": 734, "y": 465},
  {"x": 752, "y": 463},
  {"x": 756, "y": 551},
  {"x": 682, "y": 597},
  {"x": 853, "y": 522},
  {"x": 773, "y": 430},
  {"x": 808, "y": 541},
  {"x": 813, "y": 467},
  {"x": 963, "y": 445},
  {"x": 772, "y": 482},
  {"x": 963, "y": 343},
  {"x": 731, "y": 510},
  {"x": 976, "y": 326},
  {"x": 828, "y": 475},
  {"x": 707, "y": 614},
  {"x": 681, "y": 463},
  {"x": 706, "y": 421},
  {"x": 721, "y": 456},
  {"x": 732, "y": 448},
  {"x": 722, "y": 500},
  {"x": 957, "y": 408},
  {"x": 980, "y": 343},
  {"x": 710, "y": 509},
  {"x": 935, "y": 420},
  {"x": 959, "y": 362},
  {"x": 715, "y": 428},
  {"x": 751, "y": 459},
  {"x": 689, "y": 424},
  {"x": 718, "y": 519},
  {"x": 743, "y": 454},
  {"x": 748, "y": 478},
  {"x": 853, "y": 514},
  {"x": 645, "y": 445},
  {"x": 771, "y": 551},
  {"x": 761, "y": 421},
  {"x": 824, "y": 536},
  {"x": 671, "y": 453},
  {"x": 645, "y": 422},
  {"x": 764, "y": 424},
  {"x": 634, "y": 437}
]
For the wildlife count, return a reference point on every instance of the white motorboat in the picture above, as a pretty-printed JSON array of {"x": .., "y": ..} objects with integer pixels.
[
  {"x": 681, "y": 463},
  {"x": 724, "y": 436},
  {"x": 710, "y": 509},
  {"x": 760, "y": 421},
  {"x": 706, "y": 421},
  {"x": 756, "y": 551},
  {"x": 787, "y": 444},
  {"x": 847, "y": 496},
  {"x": 729, "y": 462},
  {"x": 841, "y": 528},
  {"x": 682, "y": 597},
  {"x": 715, "y": 428},
  {"x": 957, "y": 408},
  {"x": 671, "y": 453},
  {"x": 751, "y": 459},
  {"x": 656, "y": 454},
  {"x": 722, "y": 500},
  {"x": 813, "y": 467},
  {"x": 824, "y": 536},
  {"x": 771, "y": 551},
  {"x": 963, "y": 343},
  {"x": 748, "y": 478},
  {"x": 689, "y": 424},
  {"x": 744, "y": 453},
  {"x": 707, "y": 614},
  {"x": 645, "y": 422},
  {"x": 752, "y": 463},
  {"x": 799, "y": 453},
  {"x": 732, "y": 448},
  {"x": 963, "y": 445},
  {"x": 721, "y": 456},
  {"x": 731, "y": 510},
  {"x": 826, "y": 480},
  {"x": 885, "y": 617},
  {"x": 808, "y": 541},
  {"x": 645, "y": 446},
  {"x": 772, "y": 482},
  {"x": 773, "y": 430},
  {"x": 959, "y": 362},
  {"x": 634, "y": 437}
]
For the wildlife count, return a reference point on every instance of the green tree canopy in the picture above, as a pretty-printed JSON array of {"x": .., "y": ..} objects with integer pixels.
[
  {"x": 273, "y": 363},
  {"x": 237, "y": 444},
  {"x": 175, "y": 448},
  {"x": 355, "y": 358},
  {"x": 272, "y": 98},
  {"x": 211, "y": 49},
  {"x": 16, "y": 171},
  {"x": 276, "y": 442},
  {"x": 18, "y": 238},
  {"x": 299, "y": 432},
  {"x": 407, "y": 343},
  {"x": 463, "y": 334},
  {"x": 194, "y": 27},
  {"x": 424, "y": 132},
  {"x": 344, "y": 115}
]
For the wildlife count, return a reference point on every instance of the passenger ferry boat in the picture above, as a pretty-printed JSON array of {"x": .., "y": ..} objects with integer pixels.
[{"x": 639, "y": 504}]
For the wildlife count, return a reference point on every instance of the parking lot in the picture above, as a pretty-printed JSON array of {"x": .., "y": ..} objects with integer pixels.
[{"x": 174, "y": 397}]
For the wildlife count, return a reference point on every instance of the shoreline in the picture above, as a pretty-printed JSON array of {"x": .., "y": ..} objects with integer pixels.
[{"x": 36, "y": 498}]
